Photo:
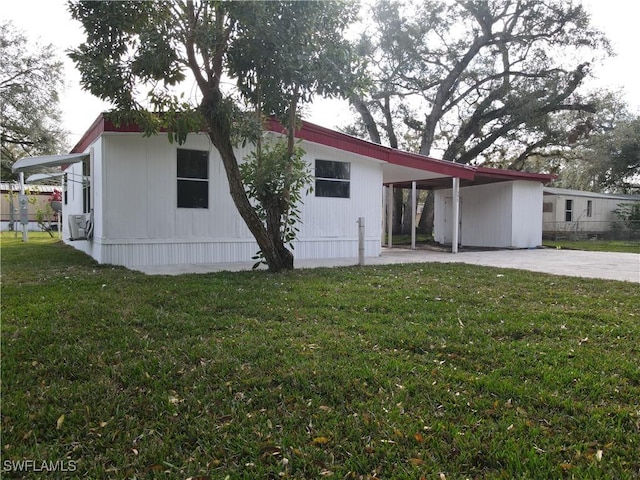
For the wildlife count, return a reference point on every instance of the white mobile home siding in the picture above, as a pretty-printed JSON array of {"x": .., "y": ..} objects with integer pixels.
[
  {"x": 602, "y": 211},
  {"x": 138, "y": 222},
  {"x": 496, "y": 215}
]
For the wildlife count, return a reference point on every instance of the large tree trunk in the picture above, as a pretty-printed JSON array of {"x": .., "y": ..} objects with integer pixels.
[
  {"x": 277, "y": 256},
  {"x": 407, "y": 213},
  {"x": 398, "y": 204},
  {"x": 425, "y": 225}
]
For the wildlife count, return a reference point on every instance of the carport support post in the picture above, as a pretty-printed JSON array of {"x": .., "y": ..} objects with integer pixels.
[
  {"x": 25, "y": 225},
  {"x": 456, "y": 215},
  {"x": 413, "y": 215},
  {"x": 389, "y": 215}
]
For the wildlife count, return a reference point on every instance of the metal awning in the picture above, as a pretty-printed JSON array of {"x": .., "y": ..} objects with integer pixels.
[
  {"x": 34, "y": 163},
  {"x": 38, "y": 177}
]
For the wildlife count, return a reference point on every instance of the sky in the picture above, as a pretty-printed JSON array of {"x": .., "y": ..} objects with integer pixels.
[{"x": 48, "y": 22}]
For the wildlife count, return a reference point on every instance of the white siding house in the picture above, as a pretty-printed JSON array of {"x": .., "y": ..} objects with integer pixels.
[
  {"x": 133, "y": 200},
  {"x": 137, "y": 220},
  {"x": 580, "y": 214}
]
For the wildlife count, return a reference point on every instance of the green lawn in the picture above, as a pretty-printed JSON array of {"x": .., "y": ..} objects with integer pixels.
[
  {"x": 625, "y": 246},
  {"x": 409, "y": 371}
]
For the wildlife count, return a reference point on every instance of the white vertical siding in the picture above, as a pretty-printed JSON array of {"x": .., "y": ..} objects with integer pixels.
[
  {"x": 487, "y": 215},
  {"x": 527, "y": 215},
  {"x": 97, "y": 188},
  {"x": 141, "y": 224},
  {"x": 497, "y": 215},
  {"x": 333, "y": 221},
  {"x": 142, "y": 193}
]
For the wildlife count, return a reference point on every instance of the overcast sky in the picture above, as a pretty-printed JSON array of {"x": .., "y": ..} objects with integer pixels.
[{"x": 47, "y": 21}]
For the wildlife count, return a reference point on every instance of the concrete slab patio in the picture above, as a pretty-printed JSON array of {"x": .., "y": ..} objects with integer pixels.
[{"x": 603, "y": 265}]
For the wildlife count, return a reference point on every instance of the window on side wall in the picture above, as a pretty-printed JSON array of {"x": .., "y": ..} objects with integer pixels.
[
  {"x": 86, "y": 187},
  {"x": 589, "y": 208},
  {"x": 65, "y": 189},
  {"x": 193, "y": 178},
  {"x": 568, "y": 211},
  {"x": 333, "y": 179}
]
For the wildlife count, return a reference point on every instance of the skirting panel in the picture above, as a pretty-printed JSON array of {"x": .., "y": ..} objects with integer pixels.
[
  {"x": 138, "y": 254},
  {"x": 184, "y": 253}
]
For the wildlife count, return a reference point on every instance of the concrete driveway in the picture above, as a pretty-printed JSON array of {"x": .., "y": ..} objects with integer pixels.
[
  {"x": 604, "y": 265},
  {"x": 574, "y": 263}
]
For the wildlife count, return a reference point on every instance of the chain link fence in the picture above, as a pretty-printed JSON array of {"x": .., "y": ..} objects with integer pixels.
[{"x": 588, "y": 230}]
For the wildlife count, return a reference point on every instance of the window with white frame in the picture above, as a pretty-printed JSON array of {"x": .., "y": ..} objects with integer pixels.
[
  {"x": 333, "y": 179},
  {"x": 589, "y": 208},
  {"x": 193, "y": 178}
]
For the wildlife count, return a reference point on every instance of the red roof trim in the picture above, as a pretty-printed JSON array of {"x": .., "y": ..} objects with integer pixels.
[
  {"x": 341, "y": 141},
  {"x": 513, "y": 175},
  {"x": 95, "y": 130}
]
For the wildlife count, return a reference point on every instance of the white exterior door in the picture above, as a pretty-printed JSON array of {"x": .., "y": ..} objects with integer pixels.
[{"x": 448, "y": 218}]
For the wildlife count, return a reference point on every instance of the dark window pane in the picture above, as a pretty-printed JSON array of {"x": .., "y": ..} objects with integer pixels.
[
  {"x": 329, "y": 188},
  {"x": 193, "y": 164},
  {"x": 193, "y": 194},
  {"x": 329, "y": 169},
  {"x": 568, "y": 211}
]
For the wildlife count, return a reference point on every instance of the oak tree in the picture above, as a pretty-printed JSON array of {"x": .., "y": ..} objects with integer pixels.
[
  {"x": 474, "y": 80},
  {"x": 30, "y": 81}
]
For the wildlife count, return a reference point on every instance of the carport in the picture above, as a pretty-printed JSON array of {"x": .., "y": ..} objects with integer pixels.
[{"x": 413, "y": 171}]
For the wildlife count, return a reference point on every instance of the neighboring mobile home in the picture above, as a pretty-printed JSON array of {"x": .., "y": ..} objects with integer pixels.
[
  {"x": 578, "y": 214},
  {"x": 39, "y": 195},
  {"x": 148, "y": 202}
]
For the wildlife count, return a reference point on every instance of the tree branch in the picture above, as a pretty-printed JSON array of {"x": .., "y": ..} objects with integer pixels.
[{"x": 368, "y": 120}]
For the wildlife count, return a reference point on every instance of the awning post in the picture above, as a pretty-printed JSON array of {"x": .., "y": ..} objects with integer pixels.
[
  {"x": 456, "y": 215},
  {"x": 414, "y": 212},
  {"x": 389, "y": 215},
  {"x": 24, "y": 212}
]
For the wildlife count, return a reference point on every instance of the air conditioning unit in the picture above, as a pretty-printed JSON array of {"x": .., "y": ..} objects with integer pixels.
[{"x": 77, "y": 227}]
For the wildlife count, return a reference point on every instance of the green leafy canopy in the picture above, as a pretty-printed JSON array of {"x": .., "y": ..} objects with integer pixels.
[{"x": 247, "y": 60}]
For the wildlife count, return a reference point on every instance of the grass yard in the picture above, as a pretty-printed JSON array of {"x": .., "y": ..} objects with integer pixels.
[
  {"x": 438, "y": 371},
  {"x": 624, "y": 246}
]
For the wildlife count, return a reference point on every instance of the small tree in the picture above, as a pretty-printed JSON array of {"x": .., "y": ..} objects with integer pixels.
[
  {"x": 629, "y": 214},
  {"x": 279, "y": 54},
  {"x": 276, "y": 179}
]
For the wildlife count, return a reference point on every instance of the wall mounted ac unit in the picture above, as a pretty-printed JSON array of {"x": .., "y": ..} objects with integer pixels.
[{"x": 78, "y": 227}]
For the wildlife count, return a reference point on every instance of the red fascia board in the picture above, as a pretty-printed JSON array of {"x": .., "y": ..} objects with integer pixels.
[
  {"x": 441, "y": 167},
  {"x": 514, "y": 175},
  {"x": 341, "y": 141},
  {"x": 331, "y": 138},
  {"x": 100, "y": 126},
  {"x": 91, "y": 135}
]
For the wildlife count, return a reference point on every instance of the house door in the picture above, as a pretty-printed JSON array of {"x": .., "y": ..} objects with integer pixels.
[{"x": 448, "y": 218}]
